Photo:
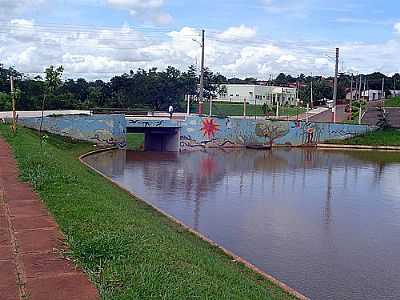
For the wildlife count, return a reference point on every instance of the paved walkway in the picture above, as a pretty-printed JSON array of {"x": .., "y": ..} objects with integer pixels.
[
  {"x": 38, "y": 113},
  {"x": 371, "y": 116},
  {"x": 31, "y": 264},
  {"x": 323, "y": 114}
]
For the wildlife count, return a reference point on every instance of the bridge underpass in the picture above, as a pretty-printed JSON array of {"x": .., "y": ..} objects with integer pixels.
[{"x": 161, "y": 134}]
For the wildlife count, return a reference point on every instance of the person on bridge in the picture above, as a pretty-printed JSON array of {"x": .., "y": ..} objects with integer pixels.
[{"x": 171, "y": 111}]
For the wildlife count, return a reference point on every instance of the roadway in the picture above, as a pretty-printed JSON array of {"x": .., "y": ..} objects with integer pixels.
[
  {"x": 323, "y": 114},
  {"x": 371, "y": 116},
  {"x": 327, "y": 116}
]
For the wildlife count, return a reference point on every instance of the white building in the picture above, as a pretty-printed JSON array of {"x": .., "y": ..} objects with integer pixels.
[
  {"x": 372, "y": 95},
  {"x": 258, "y": 94},
  {"x": 395, "y": 93}
]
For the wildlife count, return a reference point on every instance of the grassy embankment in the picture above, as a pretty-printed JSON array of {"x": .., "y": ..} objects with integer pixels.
[
  {"x": 236, "y": 109},
  {"x": 388, "y": 137},
  {"x": 129, "y": 250},
  {"x": 393, "y": 102}
]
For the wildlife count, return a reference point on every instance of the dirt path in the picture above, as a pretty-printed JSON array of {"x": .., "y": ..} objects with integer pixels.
[{"x": 31, "y": 264}]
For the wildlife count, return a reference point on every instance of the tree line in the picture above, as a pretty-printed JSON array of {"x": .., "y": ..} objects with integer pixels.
[
  {"x": 147, "y": 89},
  {"x": 154, "y": 89}
]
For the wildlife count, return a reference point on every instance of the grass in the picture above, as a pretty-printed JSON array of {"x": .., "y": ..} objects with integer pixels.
[
  {"x": 388, "y": 137},
  {"x": 236, "y": 109},
  {"x": 129, "y": 250},
  {"x": 135, "y": 141},
  {"x": 393, "y": 102}
]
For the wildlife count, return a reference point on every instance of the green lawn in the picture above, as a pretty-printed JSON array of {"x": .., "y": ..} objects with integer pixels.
[
  {"x": 393, "y": 102},
  {"x": 129, "y": 250},
  {"x": 135, "y": 141},
  {"x": 236, "y": 109},
  {"x": 388, "y": 137}
]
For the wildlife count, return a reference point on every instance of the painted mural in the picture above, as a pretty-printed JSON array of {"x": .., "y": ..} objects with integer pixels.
[
  {"x": 99, "y": 129},
  {"x": 271, "y": 130},
  {"x": 152, "y": 123},
  {"x": 203, "y": 132}
]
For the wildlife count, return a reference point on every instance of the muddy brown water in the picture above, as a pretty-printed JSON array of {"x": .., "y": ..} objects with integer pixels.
[{"x": 327, "y": 223}]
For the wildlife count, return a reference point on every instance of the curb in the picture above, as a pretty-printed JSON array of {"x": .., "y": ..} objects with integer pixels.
[
  {"x": 360, "y": 147},
  {"x": 236, "y": 258}
]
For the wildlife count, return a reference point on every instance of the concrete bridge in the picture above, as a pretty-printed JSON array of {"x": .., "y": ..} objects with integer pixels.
[
  {"x": 161, "y": 133},
  {"x": 185, "y": 133}
]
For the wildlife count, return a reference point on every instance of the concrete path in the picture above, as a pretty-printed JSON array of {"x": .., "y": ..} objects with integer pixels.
[
  {"x": 371, "y": 116},
  {"x": 31, "y": 264},
  {"x": 323, "y": 114},
  {"x": 38, "y": 113}
]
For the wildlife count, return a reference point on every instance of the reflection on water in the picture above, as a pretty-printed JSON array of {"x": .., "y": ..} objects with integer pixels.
[{"x": 325, "y": 222}]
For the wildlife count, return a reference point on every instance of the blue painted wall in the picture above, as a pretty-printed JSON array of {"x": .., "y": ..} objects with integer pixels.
[
  {"x": 99, "y": 129},
  {"x": 200, "y": 132},
  {"x": 153, "y": 123}
]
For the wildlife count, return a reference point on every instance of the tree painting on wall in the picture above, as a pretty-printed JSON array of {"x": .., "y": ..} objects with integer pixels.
[{"x": 272, "y": 130}]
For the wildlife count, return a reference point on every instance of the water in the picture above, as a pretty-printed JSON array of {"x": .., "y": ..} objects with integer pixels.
[{"x": 327, "y": 223}]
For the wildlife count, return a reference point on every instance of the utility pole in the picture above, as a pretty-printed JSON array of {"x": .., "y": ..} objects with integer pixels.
[
  {"x": 202, "y": 68},
  {"x": 188, "y": 105},
  {"x": 14, "y": 124},
  {"x": 351, "y": 92},
  {"x": 307, "y": 110},
  {"x": 360, "y": 100},
  {"x": 365, "y": 88},
  {"x": 383, "y": 87},
  {"x": 210, "y": 102},
  {"x": 255, "y": 107},
  {"x": 312, "y": 96},
  {"x": 244, "y": 108},
  {"x": 335, "y": 84}
]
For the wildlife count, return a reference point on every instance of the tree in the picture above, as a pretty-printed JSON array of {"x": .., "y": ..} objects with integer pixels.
[
  {"x": 5, "y": 101},
  {"x": 280, "y": 79},
  {"x": 189, "y": 81},
  {"x": 321, "y": 89},
  {"x": 52, "y": 81},
  {"x": 272, "y": 130},
  {"x": 214, "y": 84},
  {"x": 383, "y": 118}
]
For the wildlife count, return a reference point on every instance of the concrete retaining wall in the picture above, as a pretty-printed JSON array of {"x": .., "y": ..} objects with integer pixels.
[
  {"x": 99, "y": 129},
  {"x": 201, "y": 132}
]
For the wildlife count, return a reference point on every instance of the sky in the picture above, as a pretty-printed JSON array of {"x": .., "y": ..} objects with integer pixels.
[{"x": 97, "y": 39}]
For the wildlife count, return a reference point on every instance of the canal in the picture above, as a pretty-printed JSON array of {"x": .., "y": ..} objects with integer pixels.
[{"x": 327, "y": 223}]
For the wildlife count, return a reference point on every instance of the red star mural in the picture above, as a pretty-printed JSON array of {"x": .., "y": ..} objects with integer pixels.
[{"x": 209, "y": 128}]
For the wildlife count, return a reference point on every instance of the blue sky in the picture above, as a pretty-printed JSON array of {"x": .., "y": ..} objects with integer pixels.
[{"x": 255, "y": 37}]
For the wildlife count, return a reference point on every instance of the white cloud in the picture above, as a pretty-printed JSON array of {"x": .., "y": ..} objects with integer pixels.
[
  {"x": 397, "y": 27},
  {"x": 237, "y": 33},
  {"x": 104, "y": 52},
  {"x": 299, "y": 8},
  {"x": 11, "y": 8},
  {"x": 151, "y": 9},
  {"x": 136, "y": 5},
  {"x": 346, "y": 20},
  {"x": 286, "y": 58},
  {"x": 22, "y": 29},
  {"x": 162, "y": 18}
]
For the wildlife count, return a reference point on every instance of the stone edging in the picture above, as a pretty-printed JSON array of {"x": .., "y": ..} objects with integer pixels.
[
  {"x": 360, "y": 147},
  {"x": 236, "y": 258}
]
